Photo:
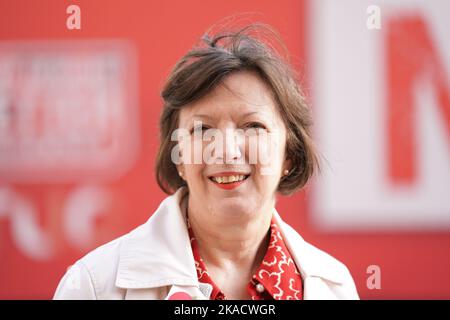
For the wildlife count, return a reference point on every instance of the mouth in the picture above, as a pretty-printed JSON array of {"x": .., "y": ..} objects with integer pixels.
[{"x": 228, "y": 181}]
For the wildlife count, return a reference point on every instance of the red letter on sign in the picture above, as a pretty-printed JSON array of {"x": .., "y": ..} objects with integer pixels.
[{"x": 410, "y": 53}]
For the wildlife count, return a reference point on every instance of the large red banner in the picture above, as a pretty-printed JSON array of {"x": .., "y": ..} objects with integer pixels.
[{"x": 79, "y": 112}]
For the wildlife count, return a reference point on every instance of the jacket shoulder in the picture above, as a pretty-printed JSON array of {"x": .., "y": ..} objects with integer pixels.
[{"x": 94, "y": 275}]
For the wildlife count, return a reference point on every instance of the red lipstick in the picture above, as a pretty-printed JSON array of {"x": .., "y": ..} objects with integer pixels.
[{"x": 231, "y": 185}]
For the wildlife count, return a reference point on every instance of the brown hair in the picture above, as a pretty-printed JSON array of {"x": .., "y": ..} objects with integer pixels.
[{"x": 205, "y": 66}]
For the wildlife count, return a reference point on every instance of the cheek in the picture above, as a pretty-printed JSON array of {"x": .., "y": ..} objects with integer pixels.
[
  {"x": 191, "y": 162},
  {"x": 191, "y": 151},
  {"x": 193, "y": 174},
  {"x": 266, "y": 152}
]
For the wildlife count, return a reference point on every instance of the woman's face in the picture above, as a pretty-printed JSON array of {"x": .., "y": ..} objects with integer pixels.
[{"x": 246, "y": 139}]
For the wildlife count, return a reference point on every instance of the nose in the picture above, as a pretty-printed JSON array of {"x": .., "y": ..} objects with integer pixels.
[{"x": 230, "y": 150}]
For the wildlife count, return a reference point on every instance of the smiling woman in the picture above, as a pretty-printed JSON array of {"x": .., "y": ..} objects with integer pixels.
[{"x": 217, "y": 235}]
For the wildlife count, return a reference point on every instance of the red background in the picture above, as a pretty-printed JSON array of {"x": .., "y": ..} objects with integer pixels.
[{"x": 413, "y": 265}]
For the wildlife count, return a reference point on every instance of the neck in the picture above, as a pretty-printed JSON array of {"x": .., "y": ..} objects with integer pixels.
[{"x": 230, "y": 244}]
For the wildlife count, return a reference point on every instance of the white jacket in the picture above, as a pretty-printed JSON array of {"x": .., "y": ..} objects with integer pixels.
[{"x": 155, "y": 260}]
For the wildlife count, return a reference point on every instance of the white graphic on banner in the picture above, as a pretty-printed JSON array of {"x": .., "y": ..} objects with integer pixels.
[{"x": 387, "y": 158}]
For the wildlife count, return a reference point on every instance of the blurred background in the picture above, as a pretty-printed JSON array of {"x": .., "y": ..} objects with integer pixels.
[{"x": 79, "y": 109}]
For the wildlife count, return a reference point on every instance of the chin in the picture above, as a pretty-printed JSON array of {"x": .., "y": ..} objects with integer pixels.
[{"x": 236, "y": 208}]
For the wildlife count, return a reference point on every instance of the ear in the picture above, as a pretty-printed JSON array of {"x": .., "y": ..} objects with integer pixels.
[
  {"x": 180, "y": 166},
  {"x": 287, "y": 164},
  {"x": 180, "y": 170}
]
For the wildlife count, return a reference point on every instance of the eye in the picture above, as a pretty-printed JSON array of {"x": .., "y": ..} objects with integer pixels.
[
  {"x": 199, "y": 128},
  {"x": 256, "y": 125}
]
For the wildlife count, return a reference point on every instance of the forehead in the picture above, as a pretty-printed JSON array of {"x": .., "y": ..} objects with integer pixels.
[{"x": 240, "y": 94}]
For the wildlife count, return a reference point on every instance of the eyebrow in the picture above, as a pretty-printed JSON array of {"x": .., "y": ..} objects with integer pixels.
[
  {"x": 209, "y": 117},
  {"x": 202, "y": 116}
]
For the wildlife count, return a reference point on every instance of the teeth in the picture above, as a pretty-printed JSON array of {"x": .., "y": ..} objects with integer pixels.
[{"x": 228, "y": 179}]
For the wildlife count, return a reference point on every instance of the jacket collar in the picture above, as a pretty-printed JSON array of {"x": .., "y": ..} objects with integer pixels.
[
  {"x": 311, "y": 261},
  {"x": 158, "y": 253}
]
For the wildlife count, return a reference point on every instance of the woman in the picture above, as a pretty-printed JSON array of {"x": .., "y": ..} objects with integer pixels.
[{"x": 235, "y": 132}]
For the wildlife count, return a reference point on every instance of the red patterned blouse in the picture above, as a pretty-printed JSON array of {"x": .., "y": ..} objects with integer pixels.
[{"x": 277, "y": 278}]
